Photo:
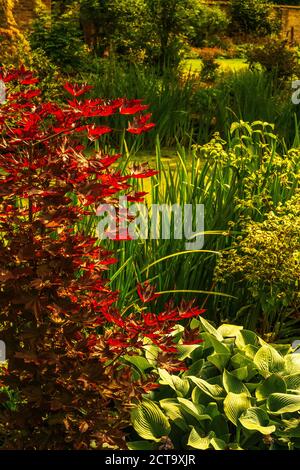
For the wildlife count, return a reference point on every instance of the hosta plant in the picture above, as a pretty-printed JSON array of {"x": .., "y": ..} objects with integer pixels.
[
  {"x": 238, "y": 392},
  {"x": 64, "y": 337}
]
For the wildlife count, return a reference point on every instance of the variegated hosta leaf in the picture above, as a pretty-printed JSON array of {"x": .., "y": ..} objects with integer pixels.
[
  {"x": 138, "y": 361},
  {"x": 292, "y": 363},
  {"x": 229, "y": 331},
  {"x": 220, "y": 427},
  {"x": 210, "y": 329},
  {"x": 214, "y": 391},
  {"x": 149, "y": 421},
  {"x": 219, "y": 360},
  {"x": 173, "y": 412},
  {"x": 212, "y": 409},
  {"x": 218, "y": 444},
  {"x": 233, "y": 384},
  {"x": 241, "y": 373},
  {"x": 273, "y": 384},
  {"x": 240, "y": 360},
  {"x": 197, "y": 441},
  {"x": 250, "y": 350},
  {"x": 283, "y": 403},
  {"x": 289, "y": 427},
  {"x": 186, "y": 350},
  {"x": 293, "y": 381},
  {"x": 208, "y": 371},
  {"x": 246, "y": 337},
  {"x": 195, "y": 368},
  {"x": 151, "y": 353},
  {"x": 235, "y": 404},
  {"x": 219, "y": 346},
  {"x": 256, "y": 419},
  {"x": 268, "y": 360},
  {"x": 181, "y": 386},
  {"x": 197, "y": 411}
]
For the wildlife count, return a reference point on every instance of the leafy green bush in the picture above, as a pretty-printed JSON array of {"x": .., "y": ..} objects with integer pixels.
[
  {"x": 238, "y": 393},
  {"x": 274, "y": 56},
  {"x": 252, "y": 17},
  {"x": 209, "y": 65},
  {"x": 61, "y": 40},
  {"x": 207, "y": 23},
  {"x": 115, "y": 26},
  {"x": 267, "y": 259},
  {"x": 50, "y": 76},
  {"x": 170, "y": 20}
]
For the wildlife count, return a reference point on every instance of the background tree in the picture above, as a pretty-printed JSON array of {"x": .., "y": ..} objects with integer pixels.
[
  {"x": 170, "y": 21},
  {"x": 116, "y": 25},
  {"x": 60, "y": 37},
  {"x": 253, "y": 17},
  {"x": 156, "y": 31}
]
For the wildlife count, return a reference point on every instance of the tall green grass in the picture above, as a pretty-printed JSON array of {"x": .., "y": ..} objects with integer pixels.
[
  {"x": 183, "y": 108},
  {"x": 168, "y": 97},
  {"x": 243, "y": 178}
]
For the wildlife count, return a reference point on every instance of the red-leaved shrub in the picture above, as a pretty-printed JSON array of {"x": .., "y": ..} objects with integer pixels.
[{"x": 62, "y": 331}]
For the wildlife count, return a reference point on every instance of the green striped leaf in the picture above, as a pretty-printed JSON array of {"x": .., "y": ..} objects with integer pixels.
[
  {"x": 268, "y": 360},
  {"x": 273, "y": 384},
  {"x": 197, "y": 441},
  {"x": 214, "y": 391},
  {"x": 256, "y": 419},
  {"x": 235, "y": 404},
  {"x": 233, "y": 384},
  {"x": 283, "y": 403},
  {"x": 149, "y": 421}
]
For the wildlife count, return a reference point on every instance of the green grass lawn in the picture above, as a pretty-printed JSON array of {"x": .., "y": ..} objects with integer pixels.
[{"x": 226, "y": 65}]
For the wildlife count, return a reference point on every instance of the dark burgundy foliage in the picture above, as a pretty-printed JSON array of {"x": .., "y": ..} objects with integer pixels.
[{"x": 62, "y": 331}]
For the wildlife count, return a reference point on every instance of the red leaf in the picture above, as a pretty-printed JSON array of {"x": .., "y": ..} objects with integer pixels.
[
  {"x": 28, "y": 95},
  {"x": 146, "y": 292},
  {"x": 95, "y": 132},
  {"x": 76, "y": 89},
  {"x": 29, "y": 81},
  {"x": 133, "y": 109}
]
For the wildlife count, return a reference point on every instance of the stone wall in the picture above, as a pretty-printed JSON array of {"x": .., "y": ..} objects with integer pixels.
[
  {"x": 22, "y": 11},
  {"x": 290, "y": 18}
]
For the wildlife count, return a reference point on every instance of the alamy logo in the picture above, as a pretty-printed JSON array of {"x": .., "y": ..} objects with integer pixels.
[
  {"x": 160, "y": 221},
  {"x": 296, "y": 94},
  {"x": 2, "y": 92},
  {"x": 296, "y": 346},
  {"x": 2, "y": 351}
]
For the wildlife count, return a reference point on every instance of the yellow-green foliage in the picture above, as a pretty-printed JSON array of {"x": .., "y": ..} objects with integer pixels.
[
  {"x": 266, "y": 174},
  {"x": 267, "y": 258},
  {"x": 263, "y": 265},
  {"x": 13, "y": 43},
  {"x": 15, "y": 49}
]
